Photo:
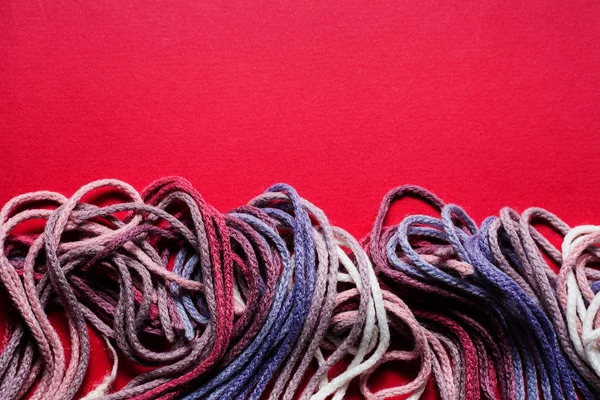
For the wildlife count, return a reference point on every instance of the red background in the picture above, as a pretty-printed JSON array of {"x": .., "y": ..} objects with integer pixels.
[{"x": 486, "y": 104}]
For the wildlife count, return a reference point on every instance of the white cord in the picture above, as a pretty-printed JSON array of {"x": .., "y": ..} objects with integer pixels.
[
  {"x": 109, "y": 379},
  {"x": 585, "y": 343}
]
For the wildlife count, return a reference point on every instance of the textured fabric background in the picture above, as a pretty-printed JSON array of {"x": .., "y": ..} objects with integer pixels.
[{"x": 487, "y": 104}]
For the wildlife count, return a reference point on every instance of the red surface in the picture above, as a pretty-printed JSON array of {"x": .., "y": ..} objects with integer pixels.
[{"x": 488, "y": 105}]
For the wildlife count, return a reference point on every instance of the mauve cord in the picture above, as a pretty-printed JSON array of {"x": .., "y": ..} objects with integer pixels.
[{"x": 239, "y": 305}]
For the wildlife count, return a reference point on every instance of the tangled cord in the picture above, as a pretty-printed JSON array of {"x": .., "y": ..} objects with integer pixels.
[{"x": 265, "y": 300}]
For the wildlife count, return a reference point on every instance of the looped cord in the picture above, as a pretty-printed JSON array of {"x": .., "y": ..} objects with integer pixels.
[{"x": 270, "y": 300}]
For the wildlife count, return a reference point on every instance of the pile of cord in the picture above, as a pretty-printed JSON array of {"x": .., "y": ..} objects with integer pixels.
[{"x": 270, "y": 300}]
